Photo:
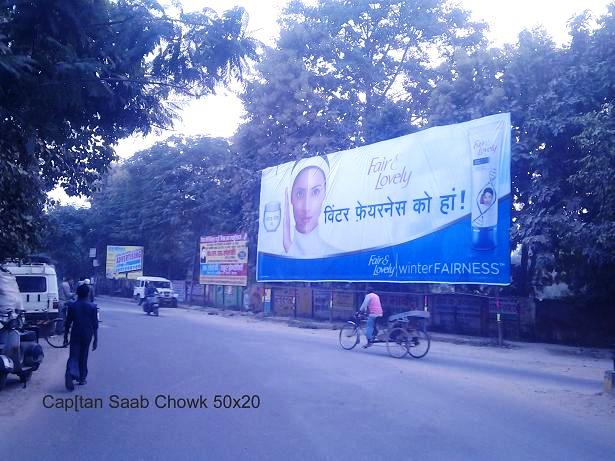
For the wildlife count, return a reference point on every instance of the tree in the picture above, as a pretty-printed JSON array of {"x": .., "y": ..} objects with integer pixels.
[
  {"x": 486, "y": 81},
  {"x": 374, "y": 58},
  {"x": 165, "y": 198},
  {"x": 343, "y": 74},
  {"x": 67, "y": 240},
  {"x": 77, "y": 75},
  {"x": 561, "y": 101}
]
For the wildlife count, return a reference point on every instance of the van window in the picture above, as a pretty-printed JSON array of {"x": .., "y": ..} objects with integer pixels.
[
  {"x": 162, "y": 284},
  {"x": 31, "y": 284}
]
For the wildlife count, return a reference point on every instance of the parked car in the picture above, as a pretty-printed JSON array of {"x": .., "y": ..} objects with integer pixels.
[
  {"x": 165, "y": 289},
  {"x": 38, "y": 284}
]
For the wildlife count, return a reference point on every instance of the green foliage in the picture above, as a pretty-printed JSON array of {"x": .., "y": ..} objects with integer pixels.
[
  {"x": 343, "y": 74},
  {"x": 372, "y": 60},
  {"x": 77, "y": 75},
  {"x": 561, "y": 102},
  {"x": 21, "y": 209},
  {"x": 67, "y": 238},
  {"x": 165, "y": 198}
]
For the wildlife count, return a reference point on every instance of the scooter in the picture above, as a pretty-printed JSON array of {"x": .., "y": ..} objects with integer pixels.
[
  {"x": 20, "y": 353},
  {"x": 151, "y": 305}
]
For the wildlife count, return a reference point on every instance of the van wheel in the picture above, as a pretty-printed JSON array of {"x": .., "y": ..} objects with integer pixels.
[
  {"x": 2, "y": 380},
  {"x": 174, "y": 303}
]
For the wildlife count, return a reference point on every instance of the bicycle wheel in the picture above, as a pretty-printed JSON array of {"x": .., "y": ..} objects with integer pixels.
[
  {"x": 55, "y": 334},
  {"x": 397, "y": 343},
  {"x": 418, "y": 343},
  {"x": 349, "y": 336}
]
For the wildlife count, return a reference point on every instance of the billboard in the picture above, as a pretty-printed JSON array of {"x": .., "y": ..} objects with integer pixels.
[
  {"x": 124, "y": 261},
  {"x": 430, "y": 207},
  {"x": 224, "y": 260}
]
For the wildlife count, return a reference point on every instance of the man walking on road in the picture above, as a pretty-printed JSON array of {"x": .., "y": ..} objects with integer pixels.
[{"x": 82, "y": 323}]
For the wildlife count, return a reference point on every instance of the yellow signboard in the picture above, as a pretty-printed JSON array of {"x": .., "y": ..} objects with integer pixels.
[{"x": 124, "y": 261}]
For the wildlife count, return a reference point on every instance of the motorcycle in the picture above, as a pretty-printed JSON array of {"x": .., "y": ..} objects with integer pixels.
[
  {"x": 20, "y": 353},
  {"x": 151, "y": 304}
]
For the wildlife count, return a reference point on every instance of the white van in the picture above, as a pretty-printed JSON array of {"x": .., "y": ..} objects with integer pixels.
[
  {"x": 38, "y": 285},
  {"x": 165, "y": 290}
]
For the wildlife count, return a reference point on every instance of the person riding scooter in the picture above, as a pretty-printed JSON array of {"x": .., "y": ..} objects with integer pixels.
[{"x": 151, "y": 299}]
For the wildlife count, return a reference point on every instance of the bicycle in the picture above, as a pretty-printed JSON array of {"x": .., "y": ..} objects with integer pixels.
[{"x": 53, "y": 330}]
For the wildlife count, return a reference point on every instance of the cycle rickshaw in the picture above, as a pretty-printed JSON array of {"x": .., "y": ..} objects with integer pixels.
[{"x": 404, "y": 333}]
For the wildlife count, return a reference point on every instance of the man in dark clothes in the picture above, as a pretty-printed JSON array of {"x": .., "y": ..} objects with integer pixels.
[
  {"x": 150, "y": 292},
  {"x": 82, "y": 322}
]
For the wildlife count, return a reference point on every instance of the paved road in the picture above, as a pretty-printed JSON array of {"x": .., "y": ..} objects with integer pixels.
[{"x": 316, "y": 400}]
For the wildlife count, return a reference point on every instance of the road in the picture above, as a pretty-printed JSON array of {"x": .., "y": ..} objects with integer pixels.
[{"x": 315, "y": 401}]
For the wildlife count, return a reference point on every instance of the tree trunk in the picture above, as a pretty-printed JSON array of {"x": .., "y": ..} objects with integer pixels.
[{"x": 523, "y": 282}]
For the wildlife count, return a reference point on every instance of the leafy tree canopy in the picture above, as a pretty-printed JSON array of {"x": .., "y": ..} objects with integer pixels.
[
  {"x": 562, "y": 101},
  {"x": 344, "y": 74},
  {"x": 165, "y": 198},
  {"x": 77, "y": 75},
  {"x": 348, "y": 73}
]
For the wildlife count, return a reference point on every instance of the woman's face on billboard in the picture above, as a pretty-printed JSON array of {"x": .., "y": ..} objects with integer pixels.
[
  {"x": 307, "y": 195},
  {"x": 487, "y": 197}
]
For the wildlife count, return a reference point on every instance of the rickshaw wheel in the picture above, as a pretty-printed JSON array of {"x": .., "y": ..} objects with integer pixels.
[
  {"x": 418, "y": 343},
  {"x": 397, "y": 343}
]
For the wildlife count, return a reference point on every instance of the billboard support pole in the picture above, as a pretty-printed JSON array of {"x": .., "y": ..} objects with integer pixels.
[{"x": 499, "y": 320}]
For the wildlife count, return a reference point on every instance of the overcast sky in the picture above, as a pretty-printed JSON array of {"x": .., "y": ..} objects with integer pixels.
[{"x": 220, "y": 115}]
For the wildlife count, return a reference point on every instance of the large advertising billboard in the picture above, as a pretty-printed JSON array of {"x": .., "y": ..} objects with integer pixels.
[
  {"x": 124, "y": 261},
  {"x": 430, "y": 207},
  {"x": 224, "y": 260}
]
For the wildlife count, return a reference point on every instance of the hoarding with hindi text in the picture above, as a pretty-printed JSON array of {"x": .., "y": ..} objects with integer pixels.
[
  {"x": 430, "y": 207},
  {"x": 224, "y": 260}
]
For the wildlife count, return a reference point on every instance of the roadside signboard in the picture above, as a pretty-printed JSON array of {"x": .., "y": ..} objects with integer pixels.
[
  {"x": 124, "y": 261},
  {"x": 224, "y": 260}
]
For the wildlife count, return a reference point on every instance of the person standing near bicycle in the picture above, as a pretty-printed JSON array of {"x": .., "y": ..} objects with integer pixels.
[
  {"x": 66, "y": 296},
  {"x": 66, "y": 293},
  {"x": 82, "y": 323},
  {"x": 371, "y": 305}
]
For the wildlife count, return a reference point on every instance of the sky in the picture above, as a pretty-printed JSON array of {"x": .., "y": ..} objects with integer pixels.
[{"x": 221, "y": 114}]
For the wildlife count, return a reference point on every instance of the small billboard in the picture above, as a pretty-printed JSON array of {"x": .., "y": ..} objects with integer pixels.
[
  {"x": 124, "y": 261},
  {"x": 224, "y": 260}
]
